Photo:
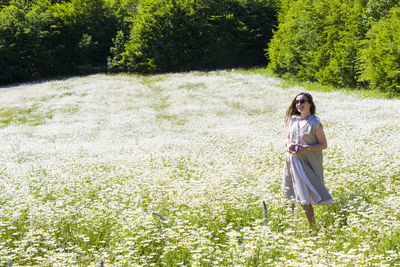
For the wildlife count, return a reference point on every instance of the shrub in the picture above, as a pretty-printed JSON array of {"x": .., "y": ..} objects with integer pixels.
[
  {"x": 319, "y": 40},
  {"x": 40, "y": 39},
  {"x": 380, "y": 58},
  {"x": 21, "y": 23},
  {"x": 4, "y": 3},
  {"x": 344, "y": 29},
  {"x": 179, "y": 35},
  {"x": 296, "y": 40},
  {"x": 377, "y": 9}
]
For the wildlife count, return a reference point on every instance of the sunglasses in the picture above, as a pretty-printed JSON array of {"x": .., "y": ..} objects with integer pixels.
[{"x": 301, "y": 101}]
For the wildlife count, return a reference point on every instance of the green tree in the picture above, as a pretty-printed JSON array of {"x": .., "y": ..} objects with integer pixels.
[
  {"x": 380, "y": 59},
  {"x": 377, "y": 9},
  {"x": 4, "y": 3},
  {"x": 178, "y": 35},
  {"x": 17, "y": 42},
  {"x": 44, "y": 39},
  {"x": 319, "y": 40},
  {"x": 295, "y": 43},
  {"x": 344, "y": 29}
]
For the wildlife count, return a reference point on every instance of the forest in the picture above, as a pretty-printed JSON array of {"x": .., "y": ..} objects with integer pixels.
[{"x": 345, "y": 43}]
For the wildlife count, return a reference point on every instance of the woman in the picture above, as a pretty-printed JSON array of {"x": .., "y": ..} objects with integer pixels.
[{"x": 303, "y": 176}]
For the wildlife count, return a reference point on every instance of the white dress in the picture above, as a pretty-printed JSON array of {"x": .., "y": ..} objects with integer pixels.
[{"x": 303, "y": 181}]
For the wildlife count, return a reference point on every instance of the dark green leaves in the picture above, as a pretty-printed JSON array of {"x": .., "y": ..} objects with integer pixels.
[{"x": 170, "y": 36}]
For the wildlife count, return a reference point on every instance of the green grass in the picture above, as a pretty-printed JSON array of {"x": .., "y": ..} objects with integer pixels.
[
  {"x": 288, "y": 82},
  {"x": 21, "y": 115},
  {"x": 203, "y": 151}
]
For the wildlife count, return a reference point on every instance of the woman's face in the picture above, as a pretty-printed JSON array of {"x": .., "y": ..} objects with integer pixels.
[{"x": 302, "y": 104}]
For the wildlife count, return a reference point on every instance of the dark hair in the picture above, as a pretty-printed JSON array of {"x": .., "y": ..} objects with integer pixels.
[{"x": 292, "y": 110}]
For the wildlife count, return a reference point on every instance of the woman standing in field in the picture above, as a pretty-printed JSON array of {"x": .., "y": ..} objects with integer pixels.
[{"x": 303, "y": 176}]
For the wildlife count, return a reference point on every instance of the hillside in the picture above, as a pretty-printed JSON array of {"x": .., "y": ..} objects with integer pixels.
[{"x": 172, "y": 169}]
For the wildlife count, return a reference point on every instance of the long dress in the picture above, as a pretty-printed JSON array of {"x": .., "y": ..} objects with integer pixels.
[{"x": 303, "y": 180}]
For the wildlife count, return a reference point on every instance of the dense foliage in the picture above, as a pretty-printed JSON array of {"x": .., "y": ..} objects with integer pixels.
[
  {"x": 45, "y": 38},
  {"x": 339, "y": 42},
  {"x": 198, "y": 34},
  {"x": 381, "y": 57}
]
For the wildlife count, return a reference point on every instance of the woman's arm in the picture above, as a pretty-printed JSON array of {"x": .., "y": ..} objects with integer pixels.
[{"x": 322, "y": 143}]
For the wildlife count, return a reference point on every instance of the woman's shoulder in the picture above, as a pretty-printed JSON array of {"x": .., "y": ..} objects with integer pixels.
[{"x": 315, "y": 121}]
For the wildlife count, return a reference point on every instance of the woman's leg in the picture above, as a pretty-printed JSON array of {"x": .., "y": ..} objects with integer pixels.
[
  {"x": 291, "y": 205},
  {"x": 309, "y": 213}
]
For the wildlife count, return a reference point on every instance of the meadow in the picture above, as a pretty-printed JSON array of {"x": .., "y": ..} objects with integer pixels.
[{"x": 172, "y": 170}]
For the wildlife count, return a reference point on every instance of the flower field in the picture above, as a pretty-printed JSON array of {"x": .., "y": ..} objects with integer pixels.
[{"x": 172, "y": 170}]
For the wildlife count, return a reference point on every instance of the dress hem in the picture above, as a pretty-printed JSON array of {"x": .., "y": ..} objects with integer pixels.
[{"x": 322, "y": 203}]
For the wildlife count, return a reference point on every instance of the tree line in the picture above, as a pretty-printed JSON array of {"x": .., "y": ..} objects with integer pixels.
[
  {"x": 48, "y": 38},
  {"x": 352, "y": 43}
]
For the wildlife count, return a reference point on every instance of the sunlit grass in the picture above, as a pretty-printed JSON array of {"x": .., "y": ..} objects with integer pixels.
[
  {"x": 172, "y": 170},
  {"x": 22, "y": 115},
  {"x": 289, "y": 81}
]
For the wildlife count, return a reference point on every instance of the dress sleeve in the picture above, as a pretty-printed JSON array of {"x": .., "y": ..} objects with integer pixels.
[{"x": 315, "y": 122}]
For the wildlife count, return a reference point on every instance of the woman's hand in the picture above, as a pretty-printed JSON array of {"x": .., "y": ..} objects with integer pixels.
[
  {"x": 302, "y": 149},
  {"x": 297, "y": 148},
  {"x": 291, "y": 148},
  {"x": 322, "y": 144}
]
